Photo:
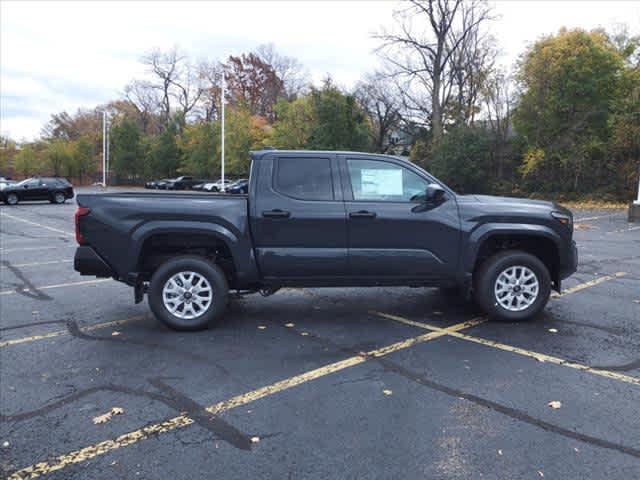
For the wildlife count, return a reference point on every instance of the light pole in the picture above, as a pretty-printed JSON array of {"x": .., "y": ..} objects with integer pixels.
[
  {"x": 222, "y": 134},
  {"x": 105, "y": 148}
]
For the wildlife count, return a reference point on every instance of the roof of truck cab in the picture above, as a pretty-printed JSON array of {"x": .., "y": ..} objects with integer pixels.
[{"x": 258, "y": 154}]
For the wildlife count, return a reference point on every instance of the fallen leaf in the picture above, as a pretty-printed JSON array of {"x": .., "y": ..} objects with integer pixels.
[
  {"x": 255, "y": 439},
  {"x": 387, "y": 392},
  {"x": 636, "y": 301},
  {"x": 105, "y": 417},
  {"x": 554, "y": 404},
  {"x": 577, "y": 450},
  {"x": 115, "y": 334},
  {"x": 261, "y": 327},
  {"x": 540, "y": 473},
  {"x": 499, "y": 452},
  {"x": 436, "y": 312},
  {"x": 553, "y": 330},
  {"x": 304, "y": 334},
  {"x": 5, "y": 444},
  {"x": 289, "y": 325}
]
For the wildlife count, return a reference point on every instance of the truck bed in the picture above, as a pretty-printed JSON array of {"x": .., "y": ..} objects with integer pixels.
[{"x": 119, "y": 224}]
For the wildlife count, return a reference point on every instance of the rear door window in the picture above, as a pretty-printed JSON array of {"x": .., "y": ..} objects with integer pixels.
[{"x": 304, "y": 178}]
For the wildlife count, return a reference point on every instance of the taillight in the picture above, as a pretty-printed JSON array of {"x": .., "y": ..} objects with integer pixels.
[{"x": 81, "y": 212}]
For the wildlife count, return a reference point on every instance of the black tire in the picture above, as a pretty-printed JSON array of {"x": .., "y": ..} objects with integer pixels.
[
  {"x": 11, "y": 199},
  {"x": 487, "y": 275},
  {"x": 58, "y": 198},
  {"x": 201, "y": 266}
]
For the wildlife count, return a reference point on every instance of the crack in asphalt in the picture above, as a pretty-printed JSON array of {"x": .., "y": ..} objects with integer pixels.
[
  {"x": 625, "y": 367},
  {"x": 182, "y": 403},
  {"x": 26, "y": 288}
]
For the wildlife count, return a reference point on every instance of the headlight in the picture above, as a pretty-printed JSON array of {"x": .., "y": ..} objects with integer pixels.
[{"x": 564, "y": 219}]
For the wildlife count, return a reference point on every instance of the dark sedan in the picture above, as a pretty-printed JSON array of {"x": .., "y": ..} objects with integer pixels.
[
  {"x": 55, "y": 190},
  {"x": 240, "y": 186},
  {"x": 157, "y": 184}
]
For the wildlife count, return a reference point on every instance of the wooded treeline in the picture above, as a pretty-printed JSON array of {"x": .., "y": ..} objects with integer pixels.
[{"x": 565, "y": 120}]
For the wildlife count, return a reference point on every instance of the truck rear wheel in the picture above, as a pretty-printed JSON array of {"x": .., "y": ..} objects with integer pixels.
[
  {"x": 188, "y": 292},
  {"x": 512, "y": 286}
]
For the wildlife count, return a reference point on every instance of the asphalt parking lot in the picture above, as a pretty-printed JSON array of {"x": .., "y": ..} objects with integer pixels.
[{"x": 316, "y": 383}]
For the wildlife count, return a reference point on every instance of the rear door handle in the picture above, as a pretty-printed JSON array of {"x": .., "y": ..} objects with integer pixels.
[
  {"x": 276, "y": 213},
  {"x": 362, "y": 214}
]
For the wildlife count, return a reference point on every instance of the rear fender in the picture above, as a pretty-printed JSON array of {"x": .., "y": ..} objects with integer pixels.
[{"x": 240, "y": 248}]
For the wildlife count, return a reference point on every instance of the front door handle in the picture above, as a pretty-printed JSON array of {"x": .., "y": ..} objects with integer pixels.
[
  {"x": 276, "y": 213},
  {"x": 362, "y": 214}
]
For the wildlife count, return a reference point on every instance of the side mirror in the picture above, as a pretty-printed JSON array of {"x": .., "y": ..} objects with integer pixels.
[{"x": 434, "y": 193}]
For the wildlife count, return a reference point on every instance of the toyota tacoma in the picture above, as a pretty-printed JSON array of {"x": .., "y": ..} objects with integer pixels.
[{"x": 325, "y": 219}]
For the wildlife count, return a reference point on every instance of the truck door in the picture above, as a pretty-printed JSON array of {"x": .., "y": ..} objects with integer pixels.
[
  {"x": 298, "y": 218},
  {"x": 392, "y": 233}
]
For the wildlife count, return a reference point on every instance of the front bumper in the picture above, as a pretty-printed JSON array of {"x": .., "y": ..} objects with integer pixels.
[
  {"x": 570, "y": 265},
  {"x": 88, "y": 262}
]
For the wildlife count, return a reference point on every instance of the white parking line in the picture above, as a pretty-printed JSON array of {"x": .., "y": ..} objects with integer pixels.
[
  {"x": 35, "y": 264},
  {"x": 8, "y": 250},
  {"x": 60, "y": 285},
  {"x": 37, "y": 224}
]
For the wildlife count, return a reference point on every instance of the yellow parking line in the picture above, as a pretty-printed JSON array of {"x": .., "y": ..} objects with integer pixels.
[
  {"x": 58, "y": 333},
  {"x": 59, "y": 285},
  {"x": 92, "y": 451},
  {"x": 37, "y": 224},
  {"x": 520, "y": 351},
  {"x": 588, "y": 284}
]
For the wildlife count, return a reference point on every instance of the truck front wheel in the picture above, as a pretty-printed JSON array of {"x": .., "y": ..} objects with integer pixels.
[
  {"x": 512, "y": 285},
  {"x": 188, "y": 292}
]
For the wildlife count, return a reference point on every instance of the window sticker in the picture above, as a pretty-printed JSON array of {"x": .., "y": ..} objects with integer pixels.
[{"x": 381, "y": 182}]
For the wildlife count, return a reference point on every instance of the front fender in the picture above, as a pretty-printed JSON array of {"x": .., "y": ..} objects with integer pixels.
[{"x": 479, "y": 235}]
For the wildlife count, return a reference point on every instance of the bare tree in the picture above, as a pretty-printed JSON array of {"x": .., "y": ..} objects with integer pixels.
[
  {"x": 144, "y": 98},
  {"x": 498, "y": 102},
  {"x": 295, "y": 79},
  {"x": 430, "y": 33},
  {"x": 177, "y": 81},
  {"x": 165, "y": 66},
  {"x": 379, "y": 99}
]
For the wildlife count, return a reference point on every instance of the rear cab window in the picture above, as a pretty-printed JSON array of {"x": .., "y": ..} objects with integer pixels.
[{"x": 304, "y": 178}]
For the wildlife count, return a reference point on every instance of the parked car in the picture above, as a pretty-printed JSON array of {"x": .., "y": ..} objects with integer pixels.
[
  {"x": 326, "y": 219},
  {"x": 239, "y": 186},
  {"x": 182, "y": 183},
  {"x": 5, "y": 182},
  {"x": 156, "y": 184},
  {"x": 214, "y": 186},
  {"x": 54, "y": 189}
]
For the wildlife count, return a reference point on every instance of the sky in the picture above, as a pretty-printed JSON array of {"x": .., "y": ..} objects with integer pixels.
[{"x": 59, "y": 56}]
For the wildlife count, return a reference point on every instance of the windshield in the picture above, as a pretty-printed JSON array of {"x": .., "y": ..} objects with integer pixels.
[{"x": 24, "y": 182}]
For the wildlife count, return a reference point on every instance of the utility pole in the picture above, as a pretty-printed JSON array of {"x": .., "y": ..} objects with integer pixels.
[{"x": 222, "y": 137}]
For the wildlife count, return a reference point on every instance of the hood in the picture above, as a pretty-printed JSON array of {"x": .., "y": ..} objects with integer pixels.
[
  {"x": 508, "y": 202},
  {"x": 477, "y": 206}
]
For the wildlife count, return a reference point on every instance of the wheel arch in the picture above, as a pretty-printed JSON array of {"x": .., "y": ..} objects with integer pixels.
[
  {"x": 538, "y": 240},
  {"x": 155, "y": 241}
]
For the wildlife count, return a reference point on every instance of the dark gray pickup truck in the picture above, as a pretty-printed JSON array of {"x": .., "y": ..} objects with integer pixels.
[{"x": 318, "y": 219}]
